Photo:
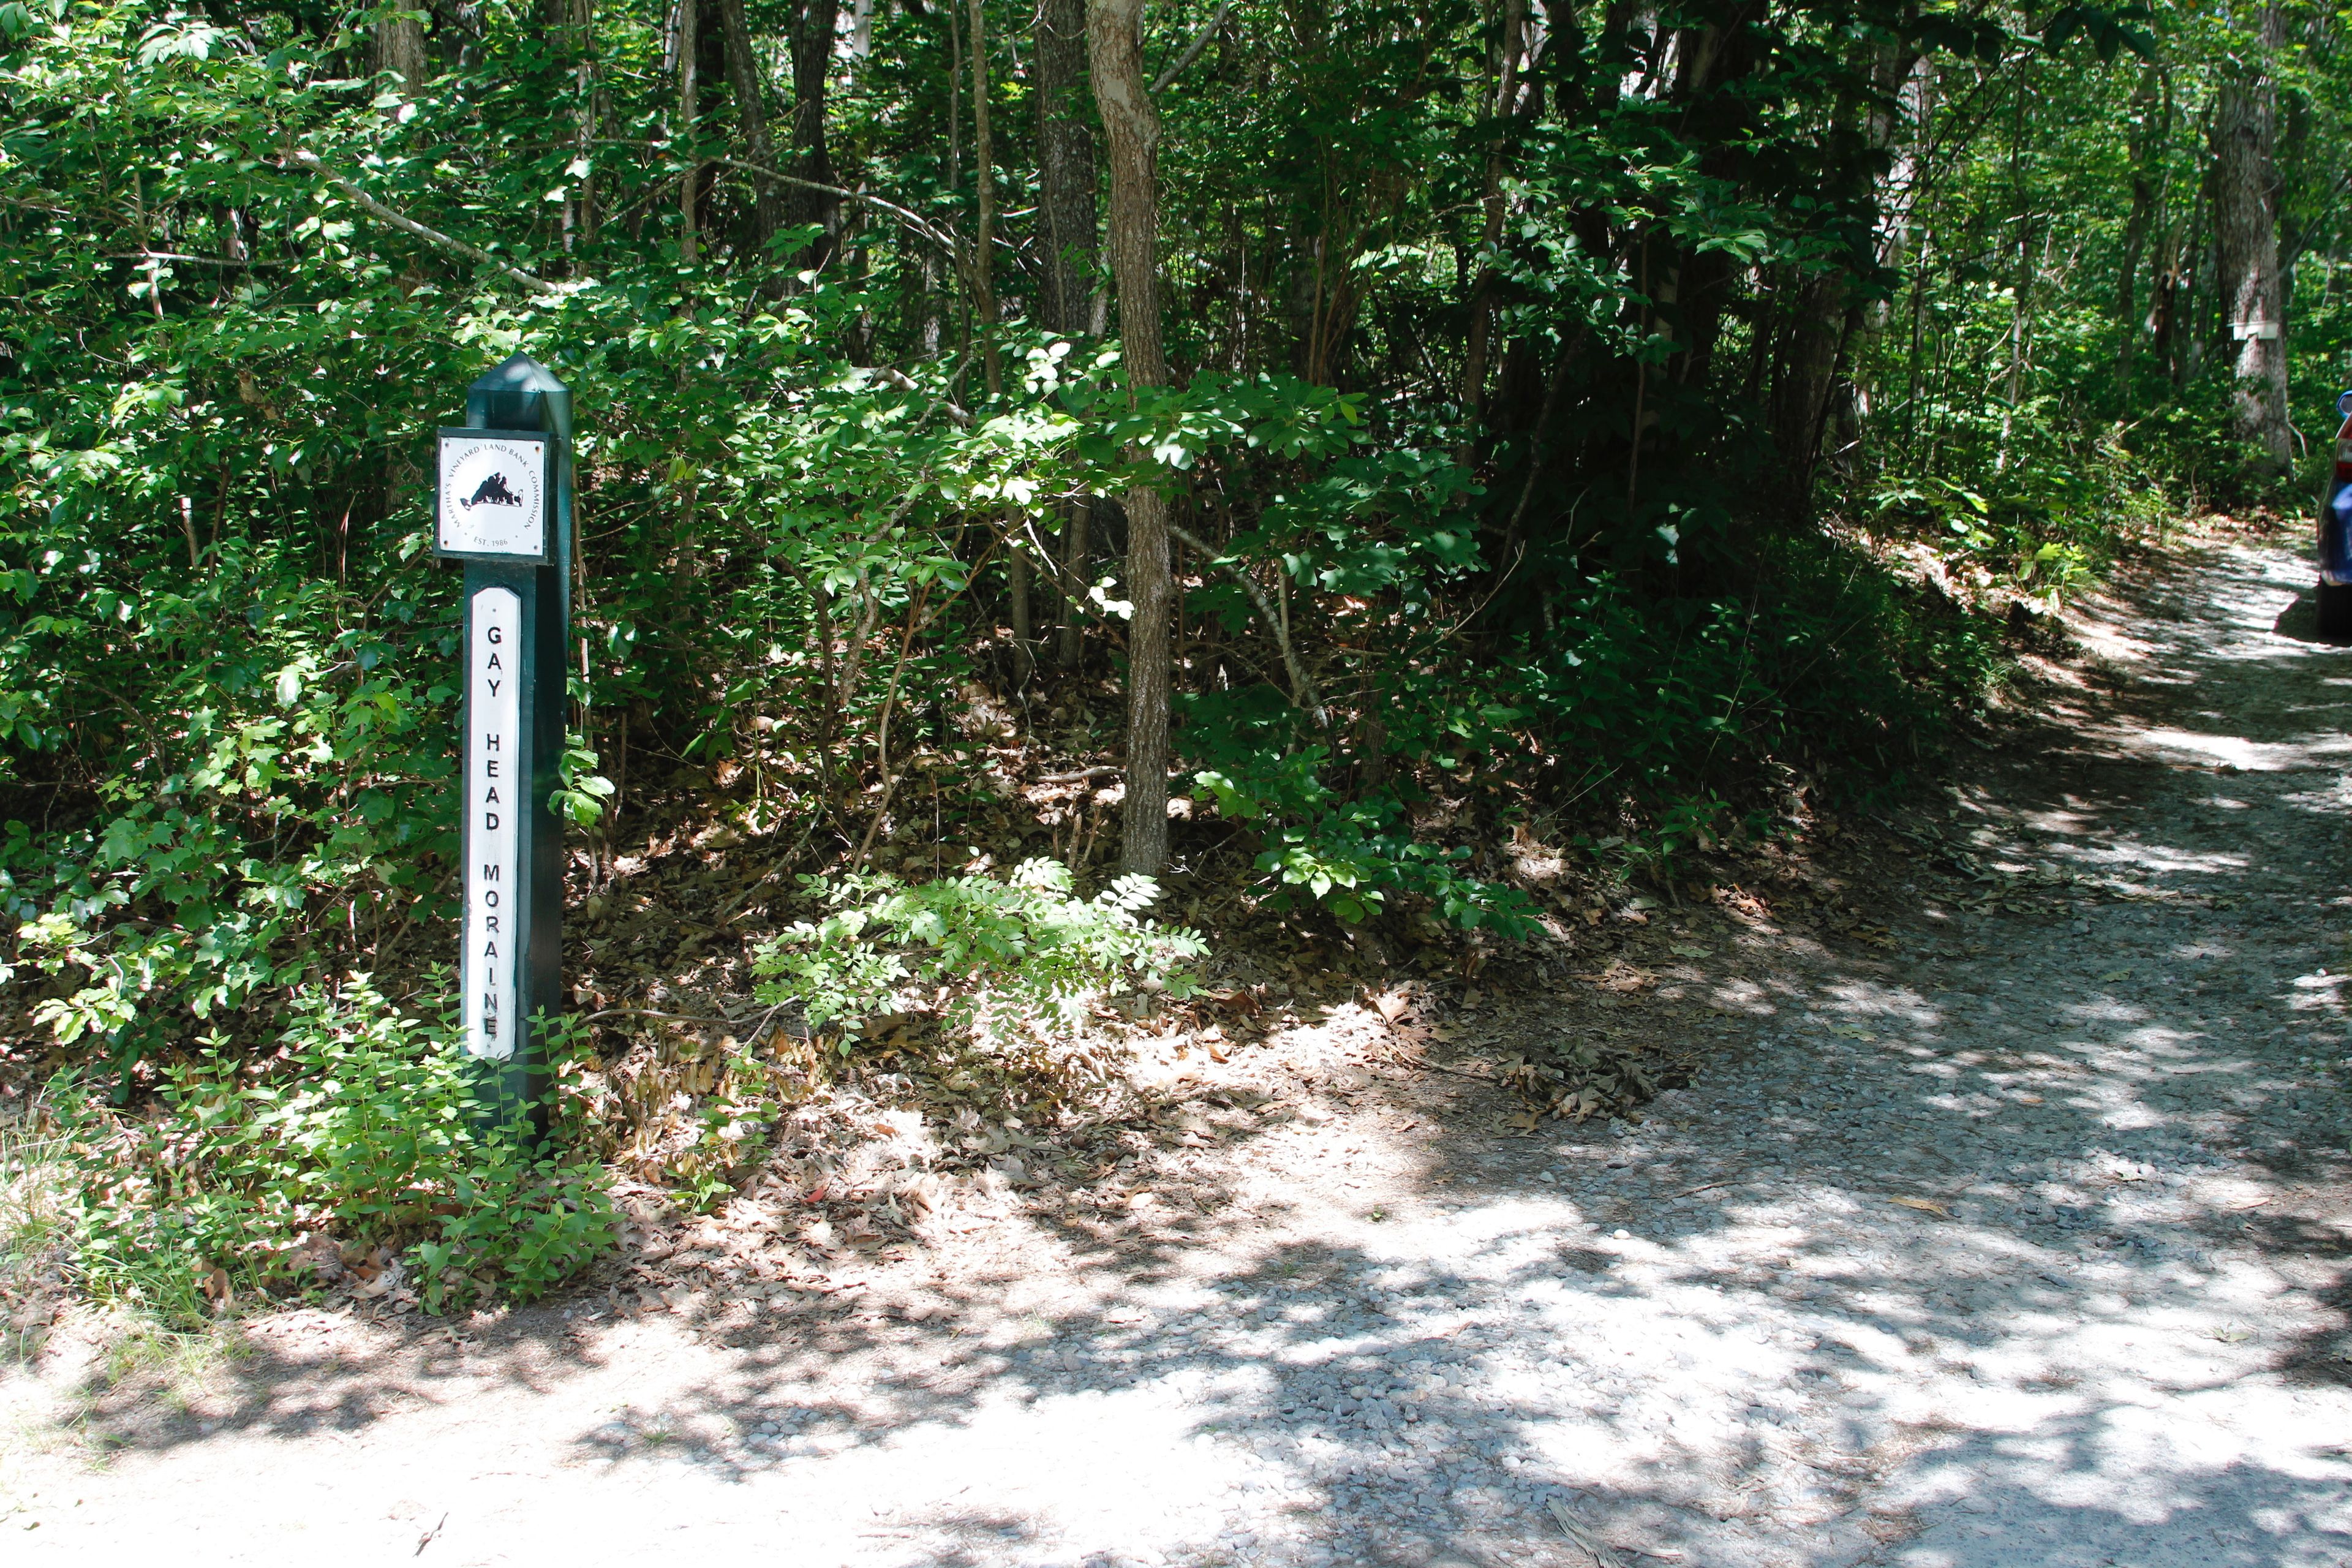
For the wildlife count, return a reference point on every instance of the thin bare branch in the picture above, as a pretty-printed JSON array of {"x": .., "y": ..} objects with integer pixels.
[
  {"x": 889, "y": 376},
  {"x": 434, "y": 236},
  {"x": 1302, "y": 685},
  {"x": 1193, "y": 50},
  {"x": 191, "y": 260}
]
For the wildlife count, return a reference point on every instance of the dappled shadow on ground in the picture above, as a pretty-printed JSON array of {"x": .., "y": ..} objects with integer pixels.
[
  {"x": 2017, "y": 1244},
  {"x": 2300, "y": 620}
]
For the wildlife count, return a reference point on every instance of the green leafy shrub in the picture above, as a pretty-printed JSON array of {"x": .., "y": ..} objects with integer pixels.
[
  {"x": 1026, "y": 942},
  {"x": 366, "y": 1130},
  {"x": 1352, "y": 856}
]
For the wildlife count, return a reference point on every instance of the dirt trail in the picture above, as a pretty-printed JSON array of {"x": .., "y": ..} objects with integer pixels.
[{"x": 2020, "y": 1241}]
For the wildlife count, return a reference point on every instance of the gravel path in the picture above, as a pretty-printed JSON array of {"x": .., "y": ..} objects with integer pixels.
[{"x": 2018, "y": 1241}]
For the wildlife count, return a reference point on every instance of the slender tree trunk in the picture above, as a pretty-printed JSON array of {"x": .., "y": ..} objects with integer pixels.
[
  {"x": 811, "y": 68},
  {"x": 1069, "y": 228},
  {"x": 1905, "y": 242},
  {"x": 2246, "y": 246},
  {"x": 1895, "y": 124},
  {"x": 1066, "y": 233},
  {"x": 983, "y": 154},
  {"x": 569, "y": 27},
  {"x": 751, "y": 109},
  {"x": 1065, "y": 165},
  {"x": 1077, "y": 516},
  {"x": 955, "y": 100},
  {"x": 984, "y": 281},
  {"x": 689, "y": 87},
  {"x": 1131, "y": 132},
  {"x": 1482, "y": 304},
  {"x": 2151, "y": 128},
  {"x": 593, "y": 111}
]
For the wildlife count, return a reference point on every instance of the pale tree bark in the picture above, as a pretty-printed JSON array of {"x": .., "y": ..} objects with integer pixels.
[
  {"x": 1132, "y": 136},
  {"x": 752, "y": 110},
  {"x": 1065, "y": 230},
  {"x": 2245, "y": 235},
  {"x": 1817, "y": 316}
]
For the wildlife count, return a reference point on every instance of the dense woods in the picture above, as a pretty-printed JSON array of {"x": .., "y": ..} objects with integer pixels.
[{"x": 1316, "y": 438}]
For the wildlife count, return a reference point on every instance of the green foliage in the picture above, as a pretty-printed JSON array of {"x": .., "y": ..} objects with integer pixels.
[
  {"x": 1604, "y": 457},
  {"x": 368, "y": 1130},
  {"x": 1350, "y": 855},
  {"x": 581, "y": 791},
  {"x": 1023, "y": 942}
]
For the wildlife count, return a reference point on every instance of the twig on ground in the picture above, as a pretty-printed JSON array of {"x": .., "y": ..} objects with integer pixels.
[
  {"x": 1453, "y": 1072},
  {"x": 667, "y": 1018}
]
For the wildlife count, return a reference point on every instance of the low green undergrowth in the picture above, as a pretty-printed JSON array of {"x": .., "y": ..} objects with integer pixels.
[
  {"x": 356, "y": 1153},
  {"x": 986, "y": 950}
]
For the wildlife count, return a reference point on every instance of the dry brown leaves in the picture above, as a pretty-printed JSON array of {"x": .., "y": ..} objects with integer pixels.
[
  {"x": 1577, "y": 1079},
  {"x": 1622, "y": 977}
]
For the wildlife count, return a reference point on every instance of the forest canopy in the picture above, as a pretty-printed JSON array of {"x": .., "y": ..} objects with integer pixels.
[{"x": 1341, "y": 430}]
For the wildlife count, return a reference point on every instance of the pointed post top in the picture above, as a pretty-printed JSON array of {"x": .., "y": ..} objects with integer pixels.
[
  {"x": 519, "y": 373},
  {"x": 521, "y": 394}
]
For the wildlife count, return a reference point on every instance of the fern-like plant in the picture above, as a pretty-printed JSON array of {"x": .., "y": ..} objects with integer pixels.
[{"x": 1025, "y": 939}]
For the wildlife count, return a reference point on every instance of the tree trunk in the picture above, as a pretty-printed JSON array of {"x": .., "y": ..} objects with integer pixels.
[
  {"x": 1811, "y": 312},
  {"x": 1065, "y": 231},
  {"x": 2164, "y": 295},
  {"x": 1065, "y": 165},
  {"x": 1482, "y": 303},
  {"x": 983, "y": 287},
  {"x": 1819, "y": 314},
  {"x": 570, "y": 28},
  {"x": 984, "y": 156},
  {"x": 2245, "y": 233},
  {"x": 2152, "y": 128},
  {"x": 399, "y": 48},
  {"x": 812, "y": 66},
  {"x": 1131, "y": 131},
  {"x": 751, "y": 109},
  {"x": 689, "y": 87}
]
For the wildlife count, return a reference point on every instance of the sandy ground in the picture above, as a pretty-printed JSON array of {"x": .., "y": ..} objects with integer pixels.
[{"x": 2015, "y": 1237}]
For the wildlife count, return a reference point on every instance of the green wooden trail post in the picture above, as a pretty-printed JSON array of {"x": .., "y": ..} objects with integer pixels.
[{"x": 503, "y": 506}]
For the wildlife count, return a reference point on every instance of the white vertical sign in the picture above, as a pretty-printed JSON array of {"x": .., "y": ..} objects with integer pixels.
[{"x": 497, "y": 794}]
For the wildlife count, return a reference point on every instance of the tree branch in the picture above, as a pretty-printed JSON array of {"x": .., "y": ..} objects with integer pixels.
[
  {"x": 914, "y": 220},
  {"x": 1193, "y": 50},
  {"x": 1302, "y": 686},
  {"x": 192, "y": 260},
  {"x": 891, "y": 376},
  {"x": 434, "y": 236}
]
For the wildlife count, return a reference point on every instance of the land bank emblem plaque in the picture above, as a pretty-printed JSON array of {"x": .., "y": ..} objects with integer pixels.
[{"x": 491, "y": 502}]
